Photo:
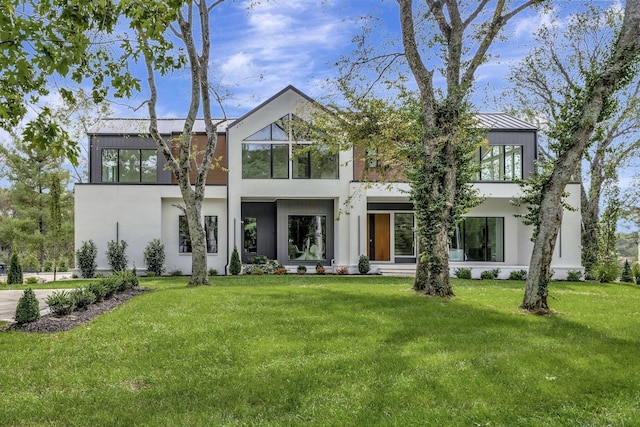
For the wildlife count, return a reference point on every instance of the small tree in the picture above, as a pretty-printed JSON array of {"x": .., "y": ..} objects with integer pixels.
[
  {"x": 154, "y": 257},
  {"x": 28, "y": 309},
  {"x": 86, "y": 257},
  {"x": 626, "y": 276},
  {"x": 363, "y": 264},
  {"x": 14, "y": 275},
  {"x": 235, "y": 266},
  {"x": 116, "y": 255}
]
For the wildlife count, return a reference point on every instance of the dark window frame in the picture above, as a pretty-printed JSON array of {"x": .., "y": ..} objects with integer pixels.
[
  {"x": 117, "y": 177},
  {"x": 503, "y": 158},
  {"x": 184, "y": 239}
]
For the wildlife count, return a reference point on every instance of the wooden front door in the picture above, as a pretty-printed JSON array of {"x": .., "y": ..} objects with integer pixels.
[{"x": 379, "y": 237}]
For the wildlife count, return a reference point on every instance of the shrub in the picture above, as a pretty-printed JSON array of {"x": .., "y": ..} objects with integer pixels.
[
  {"x": 281, "y": 270},
  {"x": 111, "y": 285},
  {"x": 116, "y": 255},
  {"x": 98, "y": 290},
  {"x": 462, "y": 273},
  {"x": 62, "y": 266},
  {"x": 14, "y": 275},
  {"x": 127, "y": 280},
  {"x": 32, "y": 280},
  {"x": 608, "y": 271},
  {"x": 319, "y": 269},
  {"x": 496, "y": 272},
  {"x": 175, "y": 273},
  {"x": 257, "y": 272},
  {"x": 487, "y": 275},
  {"x": 48, "y": 266},
  {"x": 574, "y": 276},
  {"x": 154, "y": 257},
  {"x": 83, "y": 298},
  {"x": 235, "y": 265},
  {"x": 344, "y": 271},
  {"x": 626, "y": 276},
  {"x": 213, "y": 272},
  {"x": 28, "y": 309},
  {"x": 86, "y": 257},
  {"x": 518, "y": 275},
  {"x": 269, "y": 267},
  {"x": 635, "y": 272},
  {"x": 301, "y": 269},
  {"x": 61, "y": 303},
  {"x": 363, "y": 264},
  {"x": 258, "y": 259}
]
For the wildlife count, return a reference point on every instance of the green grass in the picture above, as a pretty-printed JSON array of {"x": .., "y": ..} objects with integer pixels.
[{"x": 305, "y": 350}]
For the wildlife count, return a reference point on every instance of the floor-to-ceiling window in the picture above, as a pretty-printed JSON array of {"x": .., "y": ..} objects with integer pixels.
[{"x": 478, "y": 239}]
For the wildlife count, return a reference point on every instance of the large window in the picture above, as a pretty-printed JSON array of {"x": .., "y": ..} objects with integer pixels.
[
  {"x": 478, "y": 239},
  {"x": 500, "y": 163},
  {"x": 261, "y": 160},
  {"x": 129, "y": 165},
  {"x": 210, "y": 231},
  {"x": 314, "y": 163},
  {"x": 404, "y": 236},
  {"x": 264, "y": 161},
  {"x": 307, "y": 237},
  {"x": 250, "y": 235}
]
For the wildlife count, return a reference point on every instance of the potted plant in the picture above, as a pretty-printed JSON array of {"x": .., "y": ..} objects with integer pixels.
[
  {"x": 301, "y": 269},
  {"x": 319, "y": 269}
]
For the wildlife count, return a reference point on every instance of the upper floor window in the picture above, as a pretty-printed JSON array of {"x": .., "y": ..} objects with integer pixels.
[
  {"x": 263, "y": 160},
  {"x": 500, "y": 163},
  {"x": 129, "y": 165}
]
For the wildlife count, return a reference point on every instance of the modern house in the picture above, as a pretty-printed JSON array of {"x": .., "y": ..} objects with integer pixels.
[{"x": 302, "y": 206}]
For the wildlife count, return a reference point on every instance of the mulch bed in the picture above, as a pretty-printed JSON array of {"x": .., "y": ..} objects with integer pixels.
[{"x": 51, "y": 323}]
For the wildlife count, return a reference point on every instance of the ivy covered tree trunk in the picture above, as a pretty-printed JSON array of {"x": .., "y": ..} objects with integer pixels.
[{"x": 583, "y": 110}]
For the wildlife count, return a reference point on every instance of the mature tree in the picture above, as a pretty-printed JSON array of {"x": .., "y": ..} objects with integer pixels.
[
  {"x": 455, "y": 36},
  {"x": 584, "y": 107},
  {"x": 537, "y": 87},
  {"x": 159, "y": 27}
]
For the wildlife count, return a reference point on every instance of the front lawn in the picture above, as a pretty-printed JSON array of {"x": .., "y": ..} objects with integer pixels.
[{"x": 332, "y": 350}]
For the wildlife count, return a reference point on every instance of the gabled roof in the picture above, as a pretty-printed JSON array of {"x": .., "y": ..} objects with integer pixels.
[
  {"x": 502, "y": 121},
  {"x": 141, "y": 126},
  {"x": 262, "y": 105}
]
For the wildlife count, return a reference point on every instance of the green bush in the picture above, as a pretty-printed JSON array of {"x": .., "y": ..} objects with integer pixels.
[
  {"x": 32, "y": 280},
  {"x": 28, "y": 309},
  {"x": 608, "y": 271},
  {"x": 635, "y": 272},
  {"x": 98, "y": 289},
  {"x": 86, "y": 258},
  {"x": 462, "y": 273},
  {"x": 14, "y": 275},
  {"x": 61, "y": 303},
  {"x": 83, "y": 298},
  {"x": 117, "y": 255},
  {"x": 626, "y": 276},
  {"x": 518, "y": 275},
  {"x": 363, "y": 264},
  {"x": 258, "y": 259},
  {"x": 111, "y": 285},
  {"x": 127, "y": 280},
  {"x": 235, "y": 265},
  {"x": 154, "y": 257},
  {"x": 48, "y": 266},
  {"x": 213, "y": 272},
  {"x": 301, "y": 269},
  {"x": 574, "y": 276},
  {"x": 62, "y": 266},
  {"x": 268, "y": 267},
  {"x": 487, "y": 275},
  {"x": 176, "y": 273}
]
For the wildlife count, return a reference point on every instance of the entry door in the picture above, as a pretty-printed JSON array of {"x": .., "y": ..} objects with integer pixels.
[{"x": 379, "y": 236}]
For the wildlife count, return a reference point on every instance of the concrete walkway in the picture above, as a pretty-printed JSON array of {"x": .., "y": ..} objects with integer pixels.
[{"x": 9, "y": 298}]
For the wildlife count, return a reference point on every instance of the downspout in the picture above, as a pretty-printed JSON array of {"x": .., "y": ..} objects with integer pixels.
[{"x": 226, "y": 142}]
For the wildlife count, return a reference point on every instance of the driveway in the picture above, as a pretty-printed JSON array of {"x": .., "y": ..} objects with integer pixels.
[{"x": 9, "y": 302}]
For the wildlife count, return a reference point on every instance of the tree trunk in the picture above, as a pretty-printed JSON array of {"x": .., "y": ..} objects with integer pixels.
[
  {"x": 193, "y": 210},
  {"x": 590, "y": 212}
]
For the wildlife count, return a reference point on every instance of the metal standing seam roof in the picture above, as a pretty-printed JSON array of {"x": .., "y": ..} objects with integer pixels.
[
  {"x": 141, "y": 126},
  {"x": 503, "y": 121},
  {"x": 131, "y": 126}
]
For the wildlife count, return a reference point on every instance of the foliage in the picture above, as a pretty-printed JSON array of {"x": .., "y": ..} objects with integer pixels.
[
  {"x": 258, "y": 259},
  {"x": 111, "y": 284},
  {"x": 607, "y": 271},
  {"x": 176, "y": 273},
  {"x": 28, "y": 309},
  {"x": 235, "y": 265},
  {"x": 635, "y": 272},
  {"x": 462, "y": 273},
  {"x": 154, "y": 257},
  {"x": 266, "y": 267},
  {"x": 213, "y": 272},
  {"x": 518, "y": 275},
  {"x": 343, "y": 271},
  {"x": 83, "y": 298},
  {"x": 626, "y": 276},
  {"x": 63, "y": 265},
  {"x": 116, "y": 255},
  {"x": 574, "y": 276},
  {"x": 301, "y": 269},
  {"x": 320, "y": 269},
  {"x": 487, "y": 275},
  {"x": 14, "y": 274},
  {"x": 61, "y": 303},
  {"x": 32, "y": 280},
  {"x": 86, "y": 258},
  {"x": 98, "y": 290},
  {"x": 363, "y": 264},
  {"x": 127, "y": 280}
]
